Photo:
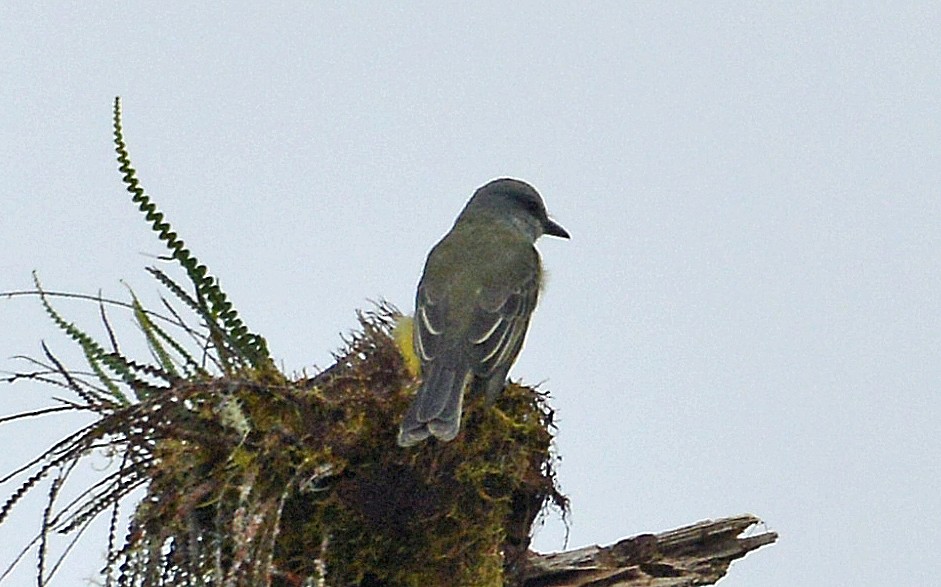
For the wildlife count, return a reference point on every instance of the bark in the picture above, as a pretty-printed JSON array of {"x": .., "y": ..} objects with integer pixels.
[{"x": 699, "y": 554}]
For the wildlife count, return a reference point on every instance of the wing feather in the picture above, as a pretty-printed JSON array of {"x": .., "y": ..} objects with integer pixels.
[{"x": 503, "y": 321}]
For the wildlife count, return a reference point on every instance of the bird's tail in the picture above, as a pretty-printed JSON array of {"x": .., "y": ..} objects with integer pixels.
[{"x": 436, "y": 409}]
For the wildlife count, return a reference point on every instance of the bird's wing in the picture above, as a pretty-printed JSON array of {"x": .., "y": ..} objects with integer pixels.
[
  {"x": 495, "y": 332},
  {"x": 499, "y": 325},
  {"x": 431, "y": 312},
  {"x": 444, "y": 366}
]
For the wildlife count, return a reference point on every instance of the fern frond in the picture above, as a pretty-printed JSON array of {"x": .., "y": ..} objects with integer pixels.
[
  {"x": 217, "y": 335},
  {"x": 92, "y": 397},
  {"x": 94, "y": 354},
  {"x": 251, "y": 345},
  {"x": 99, "y": 359},
  {"x": 200, "y": 339},
  {"x": 153, "y": 335}
]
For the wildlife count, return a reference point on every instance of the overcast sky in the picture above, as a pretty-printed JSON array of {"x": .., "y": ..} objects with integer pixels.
[{"x": 746, "y": 319}]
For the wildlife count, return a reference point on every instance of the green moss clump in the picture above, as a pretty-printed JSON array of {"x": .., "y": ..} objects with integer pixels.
[{"x": 269, "y": 481}]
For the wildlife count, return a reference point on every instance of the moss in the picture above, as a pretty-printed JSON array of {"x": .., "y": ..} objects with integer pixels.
[{"x": 263, "y": 480}]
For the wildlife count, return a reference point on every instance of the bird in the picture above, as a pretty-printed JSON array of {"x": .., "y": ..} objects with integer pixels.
[{"x": 477, "y": 292}]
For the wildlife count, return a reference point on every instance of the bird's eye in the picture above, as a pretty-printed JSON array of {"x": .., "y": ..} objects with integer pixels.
[{"x": 530, "y": 205}]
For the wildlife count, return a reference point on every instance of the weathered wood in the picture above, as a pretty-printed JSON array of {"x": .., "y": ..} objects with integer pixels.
[{"x": 699, "y": 554}]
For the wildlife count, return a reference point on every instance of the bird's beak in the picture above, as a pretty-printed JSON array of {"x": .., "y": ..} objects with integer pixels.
[{"x": 552, "y": 228}]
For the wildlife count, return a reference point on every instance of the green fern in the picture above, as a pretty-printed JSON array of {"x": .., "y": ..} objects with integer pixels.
[
  {"x": 217, "y": 308},
  {"x": 153, "y": 334},
  {"x": 228, "y": 353},
  {"x": 94, "y": 354}
]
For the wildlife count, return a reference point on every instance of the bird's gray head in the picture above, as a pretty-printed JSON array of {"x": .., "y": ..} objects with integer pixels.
[{"x": 516, "y": 202}]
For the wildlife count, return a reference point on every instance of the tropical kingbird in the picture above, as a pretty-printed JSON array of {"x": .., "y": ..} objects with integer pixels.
[{"x": 473, "y": 304}]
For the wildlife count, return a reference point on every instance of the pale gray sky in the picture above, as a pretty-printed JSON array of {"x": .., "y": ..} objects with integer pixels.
[{"x": 748, "y": 315}]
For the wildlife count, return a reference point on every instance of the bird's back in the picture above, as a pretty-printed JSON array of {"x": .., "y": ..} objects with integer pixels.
[{"x": 472, "y": 268}]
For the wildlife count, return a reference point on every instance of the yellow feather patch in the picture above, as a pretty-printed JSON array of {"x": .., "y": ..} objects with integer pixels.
[{"x": 402, "y": 333}]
